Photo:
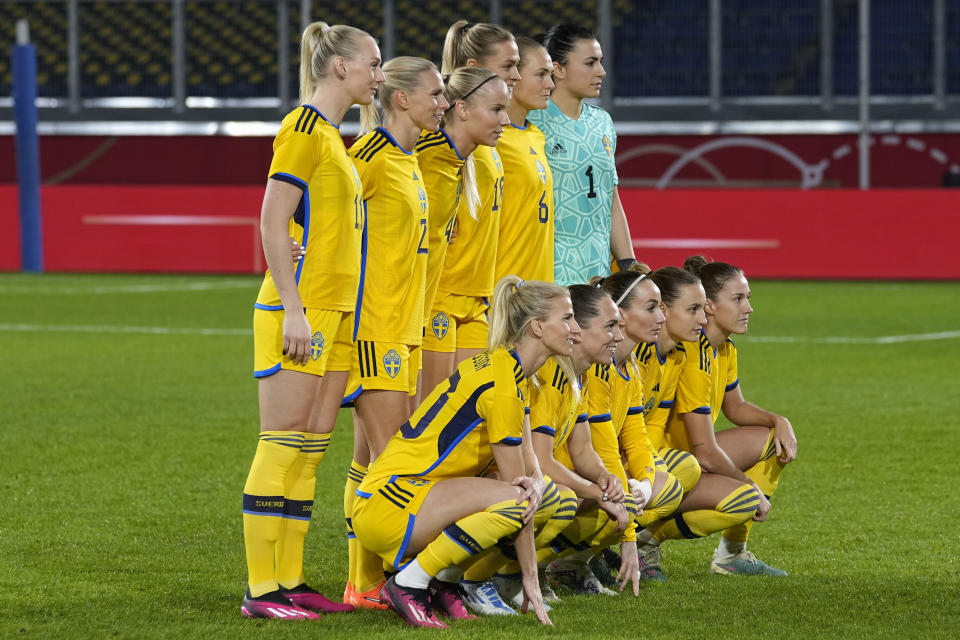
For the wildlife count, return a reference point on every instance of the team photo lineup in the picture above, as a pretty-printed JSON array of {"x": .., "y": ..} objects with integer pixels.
[{"x": 533, "y": 406}]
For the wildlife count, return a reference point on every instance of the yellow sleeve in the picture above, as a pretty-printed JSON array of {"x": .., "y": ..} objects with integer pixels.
[
  {"x": 544, "y": 409},
  {"x": 296, "y": 154},
  {"x": 503, "y": 408},
  {"x": 634, "y": 439},
  {"x": 693, "y": 386},
  {"x": 733, "y": 373}
]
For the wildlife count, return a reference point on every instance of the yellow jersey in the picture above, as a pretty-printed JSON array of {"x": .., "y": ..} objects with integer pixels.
[
  {"x": 525, "y": 242},
  {"x": 615, "y": 403},
  {"x": 554, "y": 409},
  {"x": 441, "y": 168},
  {"x": 394, "y": 269},
  {"x": 308, "y": 153},
  {"x": 706, "y": 375},
  {"x": 451, "y": 432},
  {"x": 660, "y": 375},
  {"x": 468, "y": 269}
]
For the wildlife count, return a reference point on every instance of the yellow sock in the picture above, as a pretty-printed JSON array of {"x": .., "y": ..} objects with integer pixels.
[
  {"x": 681, "y": 465},
  {"x": 297, "y": 509},
  {"x": 766, "y": 473},
  {"x": 561, "y": 519},
  {"x": 263, "y": 504},
  {"x": 355, "y": 475},
  {"x": 664, "y": 503},
  {"x": 471, "y": 535},
  {"x": 585, "y": 525},
  {"x": 734, "y": 509}
]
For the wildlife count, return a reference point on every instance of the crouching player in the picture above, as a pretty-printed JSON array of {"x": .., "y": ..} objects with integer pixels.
[{"x": 422, "y": 506}]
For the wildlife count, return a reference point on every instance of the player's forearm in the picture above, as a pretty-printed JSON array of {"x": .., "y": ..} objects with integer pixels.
[
  {"x": 526, "y": 550},
  {"x": 576, "y": 482},
  {"x": 275, "y": 238},
  {"x": 748, "y": 414},
  {"x": 621, "y": 243}
]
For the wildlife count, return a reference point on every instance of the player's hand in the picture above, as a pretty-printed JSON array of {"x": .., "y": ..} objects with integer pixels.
[
  {"x": 611, "y": 486},
  {"x": 617, "y": 511},
  {"x": 296, "y": 336},
  {"x": 532, "y": 492},
  {"x": 297, "y": 251},
  {"x": 641, "y": 490},
  {"x": 763, "y": 508},
  {"x": 533, "y": 597},
  {"x": 629, "y": 567},
  {"x": 784, "y": 440}
]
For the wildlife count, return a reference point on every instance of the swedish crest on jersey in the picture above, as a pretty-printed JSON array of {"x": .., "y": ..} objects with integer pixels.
[
  {"x": 316, "y": 345},
  {"x": 541, "y": 171},
  {"x": 391, "y": 363},
  {"x": 440, "y": 323},
  {"x": 608, "y": 146}
]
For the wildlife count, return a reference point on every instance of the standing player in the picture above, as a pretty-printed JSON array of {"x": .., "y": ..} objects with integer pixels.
[
  {"x": 425, "y": 505},
  {"x": 589, "y": 220},
  {"x": 761, "y": 444},
  {"x": 390, "y": 305},
  {"x": 475, "y": 118},
  {"x": 303, "y": 320},
  {"x": 457, "y": 324},
  {"x": 525, "y": 244}
]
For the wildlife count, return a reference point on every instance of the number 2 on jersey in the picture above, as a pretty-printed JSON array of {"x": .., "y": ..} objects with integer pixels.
[{"x": 423, "y": 236}]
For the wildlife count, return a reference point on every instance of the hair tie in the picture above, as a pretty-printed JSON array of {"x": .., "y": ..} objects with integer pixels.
[
  {"x": 518, "y": 285},
  {"x": 325, "y": 28},
  {"x": 630, "y": 288}
]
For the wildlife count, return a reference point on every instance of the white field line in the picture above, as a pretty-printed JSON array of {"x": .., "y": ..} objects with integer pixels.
[
  {"x": 916, "y": 337},
  {"x": 208, "y": 285},
  {"x": 213, "y": 331},
  {"x": 84, "y": 328}
]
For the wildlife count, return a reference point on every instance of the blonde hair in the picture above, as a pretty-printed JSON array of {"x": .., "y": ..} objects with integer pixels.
[
  {"x": 321, "y": 43},
  {"x": 464, "y": 84},
  {"x": 403, "y": 73},
  {"x": 465, "y": 41},
  {"x": 516, "y": 303}
]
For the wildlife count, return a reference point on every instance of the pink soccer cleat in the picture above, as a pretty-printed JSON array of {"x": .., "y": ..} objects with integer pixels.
[
  {"x": 273, "y": 605},
  {"x": 413, "y": 605},
  {"x": 307, "y": 598},
  {"x": 447, "y": 598}
]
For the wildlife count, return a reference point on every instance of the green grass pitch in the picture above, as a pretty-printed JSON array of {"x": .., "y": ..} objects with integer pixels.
[{"x": 129, "y": 421}]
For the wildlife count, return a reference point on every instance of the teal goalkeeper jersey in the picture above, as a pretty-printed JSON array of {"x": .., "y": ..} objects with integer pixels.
[{"x": 580, "y": 153}]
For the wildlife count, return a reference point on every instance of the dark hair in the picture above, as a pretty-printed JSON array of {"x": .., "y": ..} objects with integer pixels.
[
  {"x": 586, "y": 302},
  {"x": 561, "y": 39},
  {"x": 713, "y": 275},
  {"x": 669, "y": 280},
  {"x": 619, "y": 283}
]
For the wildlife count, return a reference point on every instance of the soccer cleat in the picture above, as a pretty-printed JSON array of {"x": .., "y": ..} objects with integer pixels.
[
  {"x": 549, "y": 595},
  {"x": 366, "y": 600},
  {"x": 307, "y": 598},
  {"x": 483, "y": 598},
  {"x": 413, "y": 605},
  {"x": 743, "y": 564},
  {"x": 648, "y": 551},
  {"x": 447, "y": 599},
  {"x": 603, "y": 571},
  {"x": 511, "y": 591},
  {"x": 577, "y": 577},
  {"x": 273, "y": 605}
]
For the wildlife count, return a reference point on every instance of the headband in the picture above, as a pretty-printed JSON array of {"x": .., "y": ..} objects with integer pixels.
[{"x": 630, "y": 288}]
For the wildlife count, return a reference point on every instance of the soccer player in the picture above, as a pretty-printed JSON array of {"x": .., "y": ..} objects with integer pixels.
[
  {"x": 390, "y": 306},
  {"x": 525, "y": 243},
  {"x": 589, "y": 221},
  {"x": 754, "y": 452},
  {"x": 557, "y": 414},
  {"x": 711, "y": 502},
  {"x": 475, "y": 118},
  {"x": 457, "y": 323},
  {"x": 304, "y": 314},
  {"x": 425, "y": 506}
]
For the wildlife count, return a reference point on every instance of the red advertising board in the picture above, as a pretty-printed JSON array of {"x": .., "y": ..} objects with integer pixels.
[{"x": 788, "y": 233}]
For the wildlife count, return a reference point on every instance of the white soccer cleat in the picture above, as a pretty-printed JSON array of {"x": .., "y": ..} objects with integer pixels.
[
  {"x": 577, "y": 577},
  {"x": 511, "y": 591},
  {"x": 743, "y": 564},
  {"x": 483, "y": 598}
]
